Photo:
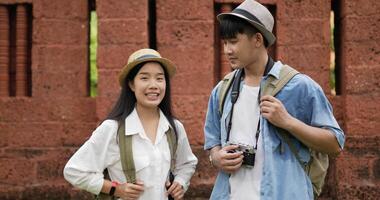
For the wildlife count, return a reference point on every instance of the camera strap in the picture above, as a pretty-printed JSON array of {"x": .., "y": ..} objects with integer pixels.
[{"x": 235, "y": 95}]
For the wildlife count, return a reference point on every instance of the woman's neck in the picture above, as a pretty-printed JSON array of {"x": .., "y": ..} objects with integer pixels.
[
  {"x": 149, "y": 118},
  {"x": 146, "y": 113}
]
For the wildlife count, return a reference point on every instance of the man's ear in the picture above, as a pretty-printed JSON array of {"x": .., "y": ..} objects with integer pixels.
[
  {"x": 259, "y": 39},
  {"x": 131, "y": 85}
]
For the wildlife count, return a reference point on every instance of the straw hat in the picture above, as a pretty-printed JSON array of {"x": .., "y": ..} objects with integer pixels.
[{"x": 142, "y": 56}]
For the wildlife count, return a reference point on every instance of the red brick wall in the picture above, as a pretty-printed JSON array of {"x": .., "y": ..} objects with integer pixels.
[
  {"x": 358, "y": 167},
  {"x": 39, "y": 133}
]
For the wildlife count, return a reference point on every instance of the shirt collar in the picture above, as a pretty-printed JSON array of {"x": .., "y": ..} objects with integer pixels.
[
  {"x": 133, "y": 124},
  {"x": 275, "y": 71}
]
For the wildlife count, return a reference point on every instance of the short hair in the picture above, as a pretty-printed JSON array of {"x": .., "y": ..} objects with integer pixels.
[{"x": 231, "y": 25}]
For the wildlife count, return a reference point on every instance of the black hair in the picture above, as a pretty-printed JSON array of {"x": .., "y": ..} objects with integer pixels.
[
  {"x": 231, "y": 25},
  {"x": 127, "y": 99}
]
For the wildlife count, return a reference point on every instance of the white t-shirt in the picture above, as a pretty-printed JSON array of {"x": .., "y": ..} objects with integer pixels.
[{"x": 245, "y": 183}]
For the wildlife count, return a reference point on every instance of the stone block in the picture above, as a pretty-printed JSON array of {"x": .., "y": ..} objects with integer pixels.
[
  {"x": 361, "y": 29},
  {"x": 60, "y": 59},
  {"x": 191, "y": 111},
  {"x": 303, "y": 32},
  {"x": 362, "y": 115},
  {"x": 308, "y": 9},
  {"x": 116, "y": 56},
  {"x": 56, "y": 32},
  {"x": 178, "y": 33},
  {"x": 195, "y": 10},
  {"x": 362, "y": 80},
  {"x": 122, "y": 9},
  {"x": 17, "y": 171},
  {"x": 122, "y": 31},
  {"x": 60, "y": 84},
  {"x": 66, "y": 9}
]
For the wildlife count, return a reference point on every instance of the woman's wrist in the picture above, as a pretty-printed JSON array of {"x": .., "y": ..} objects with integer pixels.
[{"x": 114, "y": 185}]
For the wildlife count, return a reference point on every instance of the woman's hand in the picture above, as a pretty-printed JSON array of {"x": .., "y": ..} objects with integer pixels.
[
  {"x": 175, "y": 190},
  {"x": 129, "y": 191}
]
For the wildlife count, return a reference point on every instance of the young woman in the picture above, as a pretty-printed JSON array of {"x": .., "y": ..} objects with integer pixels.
[{"x": 144, "y": 105}]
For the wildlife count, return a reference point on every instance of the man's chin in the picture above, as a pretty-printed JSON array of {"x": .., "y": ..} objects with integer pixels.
[{"x": 236, "y": 67}]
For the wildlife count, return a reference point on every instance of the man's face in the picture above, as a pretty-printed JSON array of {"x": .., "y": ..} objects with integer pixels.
[{"x": 240, "y": 51}]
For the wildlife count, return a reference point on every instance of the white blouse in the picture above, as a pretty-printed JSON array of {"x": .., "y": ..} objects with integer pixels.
[{"x": 152, "y": 161}]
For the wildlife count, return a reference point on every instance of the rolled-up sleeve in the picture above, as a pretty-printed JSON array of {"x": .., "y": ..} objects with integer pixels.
[
  {"x": 212, "y": 124},
  {"x": 85, "y": 168},
  {"x": 186, "y": 161},
  {"x": 322, "y": 113}
]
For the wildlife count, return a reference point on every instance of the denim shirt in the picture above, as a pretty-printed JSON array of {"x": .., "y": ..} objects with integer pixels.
[{"x": 283, "y": 177}]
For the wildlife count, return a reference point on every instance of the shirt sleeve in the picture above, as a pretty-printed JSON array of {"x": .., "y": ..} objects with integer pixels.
[
  {"x": 322, "y": 112},
  {"x": 185, "y": 159},
  {"x": 212, "y": 123},
  {"x": 85, "y": 168}
]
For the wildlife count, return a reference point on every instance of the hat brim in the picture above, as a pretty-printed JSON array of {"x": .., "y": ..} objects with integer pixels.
[
  {"x": 167, "y": 64},
  {"x": 267, "y": 34}
]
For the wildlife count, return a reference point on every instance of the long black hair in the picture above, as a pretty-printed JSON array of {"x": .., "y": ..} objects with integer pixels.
[
  {"x": 230, "y": 26},
  {"x": 127, "y": 99}
]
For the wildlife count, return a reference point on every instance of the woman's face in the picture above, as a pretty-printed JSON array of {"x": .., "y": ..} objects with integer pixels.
[{"x": 149, "y": 85}]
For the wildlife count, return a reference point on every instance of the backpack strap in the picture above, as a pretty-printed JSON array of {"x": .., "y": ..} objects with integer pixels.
[
  {"x": 223, "y": 89},
  {"x": 173, "y": 142},
  {"x": 273, "y": 85},
  {"x": 285, "y": 136},
  {"x": 126, "y": 153}
]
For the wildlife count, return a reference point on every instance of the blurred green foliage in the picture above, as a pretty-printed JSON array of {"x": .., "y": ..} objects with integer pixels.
[
  {"x": 332, "y": 54},
  {"x": 93, "y": 47}
]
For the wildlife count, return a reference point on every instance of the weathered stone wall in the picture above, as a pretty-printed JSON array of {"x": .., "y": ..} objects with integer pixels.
[{"x": 39, "y": 133}]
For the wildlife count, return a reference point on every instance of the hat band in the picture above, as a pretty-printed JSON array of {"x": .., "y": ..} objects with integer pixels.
[
  {"x": 247, "y": 14},
  {"x": 147, "y": 56}
]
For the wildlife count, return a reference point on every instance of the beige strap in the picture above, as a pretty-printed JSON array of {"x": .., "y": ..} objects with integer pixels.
[
  {"x": 172, "y": 141},
  {"x": 126, "y": 154},
  {"x": 225, "y": 85},
  {"x": 284, "y": 135},
  {"x": 273, "y": 85}
]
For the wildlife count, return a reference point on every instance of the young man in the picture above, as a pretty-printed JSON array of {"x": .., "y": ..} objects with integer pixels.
[{"x": 300, "y": 108}]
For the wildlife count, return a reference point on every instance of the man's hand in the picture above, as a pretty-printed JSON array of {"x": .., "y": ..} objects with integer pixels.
[
  {"x": 129, "y": 191},
  {"x": 228, "y": 162},
  {"x": 273, "y": 110}
]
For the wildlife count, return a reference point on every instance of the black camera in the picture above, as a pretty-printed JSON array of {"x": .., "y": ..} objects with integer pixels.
[{"x": 249, "y": 153}]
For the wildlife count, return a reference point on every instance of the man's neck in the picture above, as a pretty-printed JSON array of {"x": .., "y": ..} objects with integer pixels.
[{"x": 254, "y": 71}]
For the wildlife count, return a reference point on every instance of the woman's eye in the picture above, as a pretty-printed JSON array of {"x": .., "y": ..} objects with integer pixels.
[{"x": 144, "y": 78}]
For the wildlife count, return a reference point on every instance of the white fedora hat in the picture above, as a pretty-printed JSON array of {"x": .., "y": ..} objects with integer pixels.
[{"x": 257, "y": 15}]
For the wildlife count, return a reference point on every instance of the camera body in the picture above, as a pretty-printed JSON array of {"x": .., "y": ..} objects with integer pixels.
[{"x": 249, "y": 153}]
